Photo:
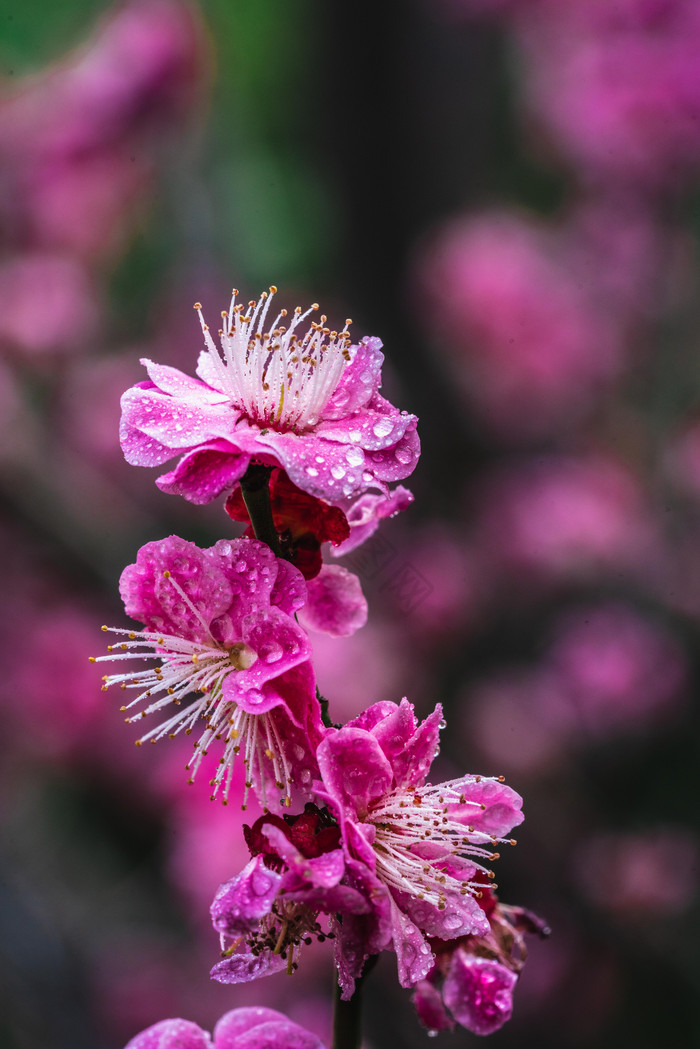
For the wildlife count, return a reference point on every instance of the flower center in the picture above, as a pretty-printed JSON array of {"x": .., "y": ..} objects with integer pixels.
[
  {"x": 424, "y": 842},
  {"x": 200, "y": 667},
  {"x": 278, "y": 378}
]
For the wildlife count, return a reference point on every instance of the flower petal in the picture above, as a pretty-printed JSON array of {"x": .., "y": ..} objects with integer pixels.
[
  {"x": 172, "y": 1034},
  {"x": 240, "y": 903},
  {"x": 354, "y": 768},
  {"x": 479, "y": 992},
  {"x": 335, "y": 603}
]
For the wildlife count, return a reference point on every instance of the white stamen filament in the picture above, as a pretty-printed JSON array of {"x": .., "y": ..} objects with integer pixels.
[
  {"x": 199, "y": 667},
  {"x": 277, "y": 378},
  {"x": 404, "y": 819}
]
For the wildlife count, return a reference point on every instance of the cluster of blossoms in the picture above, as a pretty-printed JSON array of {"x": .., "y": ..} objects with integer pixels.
[{"x": 354, "y": 844}]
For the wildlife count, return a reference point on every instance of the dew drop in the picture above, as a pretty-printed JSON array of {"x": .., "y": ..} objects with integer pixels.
[
  {"x": 254, "y": 696},
  {"x": 338, "y": 471},
  {"x": 383, "y": 427},
  {"x": 355, "y": 436},
  {"x": 312, "y": 471},
  {"x": 403, "y": 455},
  {"x": 452, "y": 922},
  {"x": 355, "y": 456},
  {"x": 272, "y": 652}
]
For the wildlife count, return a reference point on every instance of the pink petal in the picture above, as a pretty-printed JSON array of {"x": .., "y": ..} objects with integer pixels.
[
  {"x": 428, "y": 1003},
  {"x": 354, "y": 768},
  {"x": 280, "y": 1034},
  {"x": 335, "y": 604},
  {"x": 360, "y": 380},
  {"x": 365, "y": 514},
  {"x": 243, "y": 967},
  {"x": 502, "y": 809},
  {"x": 461, "y": 916},
  {"x": 172, "y": 1034},
  {"x": 151, "y": 598},
  {"x": 478, "y": 992},
  {"x": 175, "y": 383},
  {"x": 140, "y": 450},
  {"x": 204, "y": 473},
  {"x": 413, "y": 954},
  {"x": 397, "y": 462},
  {"x": 242, "y": 902}
]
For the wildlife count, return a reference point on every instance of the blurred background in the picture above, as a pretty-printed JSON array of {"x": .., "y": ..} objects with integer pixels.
[{"x": 507, "y": 193}]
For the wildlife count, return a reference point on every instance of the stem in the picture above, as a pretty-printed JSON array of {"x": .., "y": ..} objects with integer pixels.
[
  {"x": 347, "y": 1019},
  {"x": 255, "y": 488},
  {"x": 347, "y": 1016}
]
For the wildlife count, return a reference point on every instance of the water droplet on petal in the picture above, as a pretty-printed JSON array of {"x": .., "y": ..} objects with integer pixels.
[
  {"x": 383, "y": 427},
  {"x": 312, "y": 471},
  {"x": 338, "y": 471},
  {"x": 355, "y": 456},
  {"x": 403, "y": 455}
]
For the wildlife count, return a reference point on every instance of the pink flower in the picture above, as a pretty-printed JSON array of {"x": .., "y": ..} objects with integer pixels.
[
  {"x": 617, "y": 669},
  {"x": 617, "y": 85},
  {"x": 306, "y": 403},
  {"x": 221, "y": 621},
  {"x": 69, "y": 312},
  {"x": 474, "y": 977},
  {"x": 271, "y": 908},
  {"x": 562, "y": 516},
  {"x": 639, "y": 875},
  {"x": 78, "y": 143},
  {"x": 518, "y": 321},
  {"x": 412, "y": 848},
  {"x": 247, "y": 1028}
]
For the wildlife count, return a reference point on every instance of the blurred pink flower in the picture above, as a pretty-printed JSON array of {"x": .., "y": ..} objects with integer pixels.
[
  {"x": 77, "y": 143},
  {"x": 520, "y": 720},
  {"x": 56, "y": 705},
  {"x": 639, "y": 875},
  {"x": 48, "y": 304},
  {"x": 618, "y": 669},
  {"x": 379, "y": 649},
  {"x": 616, "y": 85},
  {"x": 608, "y": 670},
  {"x": 517, "y": 320},
  {"x": 560, "y": 517}
]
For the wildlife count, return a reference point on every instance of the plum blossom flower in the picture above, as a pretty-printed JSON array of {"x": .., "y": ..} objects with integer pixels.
[
  {"x": 418, "y": 849},
  {"x": 272, "y": 907},
  {"x": 252, "y": 1027},
  {"x": 307, "y": 403},
  {"x": 221, "y": 622},
  {"x": 473, "y": 979}
]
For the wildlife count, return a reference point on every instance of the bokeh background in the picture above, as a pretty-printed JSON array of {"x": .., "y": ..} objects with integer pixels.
[{"x": 507, "y": 192}]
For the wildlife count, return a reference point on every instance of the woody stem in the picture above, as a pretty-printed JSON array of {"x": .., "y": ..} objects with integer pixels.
[
  {"x": 347, "y": 1016},
  {"x": 347, "y": 1019},
  {"x": 255, "y": 489}
]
